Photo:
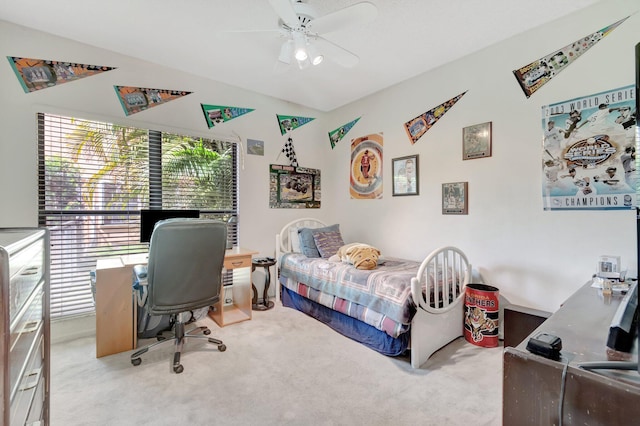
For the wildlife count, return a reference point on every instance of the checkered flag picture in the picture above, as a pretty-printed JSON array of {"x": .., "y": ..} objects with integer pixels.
[{"x": 290, "y": 152}]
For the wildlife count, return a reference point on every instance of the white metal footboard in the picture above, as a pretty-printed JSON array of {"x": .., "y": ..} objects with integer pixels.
[{"x": 438, "y": 291}]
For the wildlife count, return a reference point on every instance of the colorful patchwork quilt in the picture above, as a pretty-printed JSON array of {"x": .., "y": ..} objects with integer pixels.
[{"x": 380, "y": 297}]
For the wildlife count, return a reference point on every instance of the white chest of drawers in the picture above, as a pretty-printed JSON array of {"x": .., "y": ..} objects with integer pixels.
[{"x": 24, "y": 326}]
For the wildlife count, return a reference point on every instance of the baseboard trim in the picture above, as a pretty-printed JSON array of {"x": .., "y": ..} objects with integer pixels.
[{"x": 64, "y": 330}]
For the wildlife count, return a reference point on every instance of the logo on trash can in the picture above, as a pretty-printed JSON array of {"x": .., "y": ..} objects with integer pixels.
[
  {"x": 481, "y": 315},
  {"x": 478, "y": 323}
]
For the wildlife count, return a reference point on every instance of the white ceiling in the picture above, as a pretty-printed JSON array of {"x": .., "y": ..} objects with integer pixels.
[{"x": 407, "y": 38}]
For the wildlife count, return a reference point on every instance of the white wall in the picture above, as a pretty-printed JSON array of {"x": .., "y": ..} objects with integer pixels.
[
  {"x": 536, "y": 258},
  {"x": 95, "y": 98}
]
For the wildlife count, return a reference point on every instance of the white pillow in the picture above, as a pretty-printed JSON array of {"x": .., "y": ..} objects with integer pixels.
[{"x": 294, "y": 240}]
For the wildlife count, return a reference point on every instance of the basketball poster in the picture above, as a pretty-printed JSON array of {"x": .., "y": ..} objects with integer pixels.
[
  {"x": 589, "y": 152},
  {"x": 366, "y": 167}
]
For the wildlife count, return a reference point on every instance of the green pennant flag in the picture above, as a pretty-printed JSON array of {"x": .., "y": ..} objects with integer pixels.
[
  {"x": 289, "y": 123},
  {"x": 336, "y": 135},
  {"x": 216, "y": 114}
]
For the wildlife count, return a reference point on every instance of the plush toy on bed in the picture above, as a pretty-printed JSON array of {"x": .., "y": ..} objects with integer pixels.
[{"x": 362, "y": 256}]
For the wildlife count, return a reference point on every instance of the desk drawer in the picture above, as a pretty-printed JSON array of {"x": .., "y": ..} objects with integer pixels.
[{"x": 237, "y": 262}]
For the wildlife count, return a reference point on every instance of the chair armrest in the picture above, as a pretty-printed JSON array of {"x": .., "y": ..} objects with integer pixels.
[{"x": 140, "y": 283}]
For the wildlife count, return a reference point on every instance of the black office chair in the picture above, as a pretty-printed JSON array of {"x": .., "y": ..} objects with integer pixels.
[{"x": 184, "y": 272}]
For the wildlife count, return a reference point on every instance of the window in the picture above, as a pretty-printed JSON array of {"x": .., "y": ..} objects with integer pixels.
[{"x": 93, "y": 180}]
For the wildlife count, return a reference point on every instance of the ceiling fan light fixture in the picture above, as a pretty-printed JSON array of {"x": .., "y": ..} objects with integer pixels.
[
  {"x": 285, "y": 52},
  {"x": 314, "y": 55},
  {"x": 304, "y": 63},
  {"x": 301, "y": 48},
  {"x": 301, "y": 54}
]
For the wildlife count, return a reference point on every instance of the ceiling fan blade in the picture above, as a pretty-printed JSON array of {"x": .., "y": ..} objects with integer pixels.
[
  {"x": 357, "y": 14},
  {"x": 285, "y": 11},
  {"x": 336, "y": 53}
]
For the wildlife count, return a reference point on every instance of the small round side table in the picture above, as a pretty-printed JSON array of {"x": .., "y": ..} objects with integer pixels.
[{"x": 266, "y": 263}]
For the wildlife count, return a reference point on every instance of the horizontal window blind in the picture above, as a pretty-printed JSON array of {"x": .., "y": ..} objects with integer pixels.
[{"x": 95, "y": 177}]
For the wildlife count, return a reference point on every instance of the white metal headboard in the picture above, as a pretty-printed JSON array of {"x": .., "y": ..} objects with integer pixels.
[{"x": 283, "y": 243}]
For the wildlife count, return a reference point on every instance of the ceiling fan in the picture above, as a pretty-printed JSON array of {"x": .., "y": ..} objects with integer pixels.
[{"x": 302, "y": 29}]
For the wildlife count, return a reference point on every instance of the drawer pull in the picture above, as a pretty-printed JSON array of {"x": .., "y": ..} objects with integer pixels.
[
  {"x": 237, "y": 263},
  {"x": 31, "y": 326},
  {"x": 33, "y": 378}
]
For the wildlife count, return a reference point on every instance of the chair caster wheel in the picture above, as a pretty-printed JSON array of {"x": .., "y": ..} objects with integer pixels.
[
  {"x": 136, "y": 361},
  {"x": 206, "y": 332},
  {"x": 178, "y": 368},
  {"x": 222, "y": 348}
]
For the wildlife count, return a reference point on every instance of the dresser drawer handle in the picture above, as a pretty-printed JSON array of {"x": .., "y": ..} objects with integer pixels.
[
  {"x": 30, "y": 326},
  {"x": 237, "y": 263},
  {"x": 33, "y": 378}
]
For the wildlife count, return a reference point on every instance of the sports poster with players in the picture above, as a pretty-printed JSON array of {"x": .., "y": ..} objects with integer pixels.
[{"x": 589, "y": 151}]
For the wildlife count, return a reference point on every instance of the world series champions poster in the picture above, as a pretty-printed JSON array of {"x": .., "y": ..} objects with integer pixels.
[{"x": 589, "y": 152}]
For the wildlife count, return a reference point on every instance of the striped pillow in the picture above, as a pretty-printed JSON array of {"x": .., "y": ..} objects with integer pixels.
[{"x": 328, "y": 243}]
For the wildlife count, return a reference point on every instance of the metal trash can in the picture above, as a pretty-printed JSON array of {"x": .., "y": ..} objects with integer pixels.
[{"x": 481, "y": 315}]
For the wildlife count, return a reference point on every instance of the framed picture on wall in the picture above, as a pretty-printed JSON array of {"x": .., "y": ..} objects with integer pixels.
[
  {"x": 405, "y": 175},
  {"x": 476, "y": 141},
  {"x": 455, "y": 198}
]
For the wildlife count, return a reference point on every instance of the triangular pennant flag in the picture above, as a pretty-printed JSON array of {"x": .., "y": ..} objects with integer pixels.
[
  {"x": 533, "y": 76},
  {"x": 216, "y": 114},
  {"x": 337, "y": 135},
  {"x": 290, "y": 152},
  {"x": 419, "y": 125},
  {"x": 36, "y": 74},
  {"x": 136, "y": 99},
  {"x": 288, "y": 123}
]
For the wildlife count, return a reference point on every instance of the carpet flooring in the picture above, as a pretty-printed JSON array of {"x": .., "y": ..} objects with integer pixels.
[{"x": 280, "y": 368}]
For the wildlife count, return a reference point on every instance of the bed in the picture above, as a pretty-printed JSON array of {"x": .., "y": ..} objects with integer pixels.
[{"x": 399, "y": 306}]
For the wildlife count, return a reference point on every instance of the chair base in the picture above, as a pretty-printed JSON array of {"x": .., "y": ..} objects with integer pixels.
[{"x": 179, "y": 337}]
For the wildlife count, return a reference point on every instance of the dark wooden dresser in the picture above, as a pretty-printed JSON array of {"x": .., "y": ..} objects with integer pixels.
[{"x": 532, "y": 384}]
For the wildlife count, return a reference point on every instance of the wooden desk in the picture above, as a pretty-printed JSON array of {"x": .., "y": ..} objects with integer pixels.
[
  {"x": 531, "y": 383},
  {"x": 238, "y": 260},
  {"x": 116, "y": 306}
]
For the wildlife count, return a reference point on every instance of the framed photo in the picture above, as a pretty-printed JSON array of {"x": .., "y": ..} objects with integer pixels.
[
  {"x": 405, "y": 175},
  {"x": 293, "y": 187},
  {"x": 609, "y": 267},
  {"x": 455, "y": 198},
  {"x": 476, "y": 141}
]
